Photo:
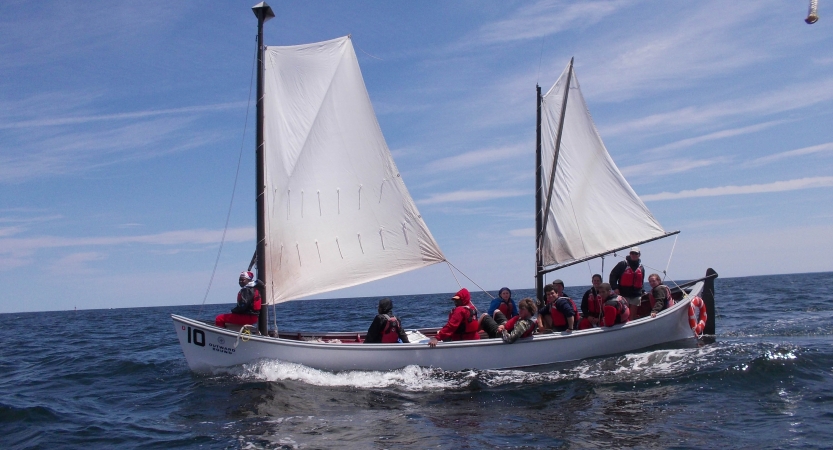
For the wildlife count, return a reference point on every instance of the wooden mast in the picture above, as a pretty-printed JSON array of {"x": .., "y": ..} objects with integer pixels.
[{"x": 263, "y": 13}]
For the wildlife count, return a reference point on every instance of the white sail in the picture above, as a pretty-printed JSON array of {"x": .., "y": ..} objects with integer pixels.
[
  {"x": 338, "y": 213},
  {"x": 593, "y": 209}
]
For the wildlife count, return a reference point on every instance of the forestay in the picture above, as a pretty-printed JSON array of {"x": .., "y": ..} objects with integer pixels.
[
  {"x": 593, "y": 209},
  {"x": 338, "y": 212}
]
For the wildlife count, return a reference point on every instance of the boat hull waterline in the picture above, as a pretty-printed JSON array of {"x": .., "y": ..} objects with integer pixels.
[{"x": 208, "y": 348}]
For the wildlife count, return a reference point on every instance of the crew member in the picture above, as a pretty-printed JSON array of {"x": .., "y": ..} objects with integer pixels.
[
  {"x": 522, "y": 325},
  {"x": 591, "y": 305},
  {"x": 248, "y": 304},
  {"x": 504, "y": 303},
  {"x": 660, "y": 296},
  {"x": 559, "y": 312},
  {"x": 627, "y": 279},
  {"x": 615, "y": 309},
  {"x": 462, "y": 322},
  {"x": 385, "y": 328}
]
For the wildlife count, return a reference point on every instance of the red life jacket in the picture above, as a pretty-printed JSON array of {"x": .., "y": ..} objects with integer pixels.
[
  {"x": 594, "y": 304},
  {"x": 510, "y": 325},
  {"x": 558, "y": 319},
  {"x": 631, "y": 278},
  {"x": 618, "y": 313},
  {"x": 390, "y": 334},
  {"x": 250, "y": 295},
  {"x": 506, "y": 308},
  {"x": 468, "y": 326},
  {"x": 669, "y": 301}
]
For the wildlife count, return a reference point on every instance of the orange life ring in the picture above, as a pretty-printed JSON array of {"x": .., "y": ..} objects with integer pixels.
[{"x": 697, "y": 326}]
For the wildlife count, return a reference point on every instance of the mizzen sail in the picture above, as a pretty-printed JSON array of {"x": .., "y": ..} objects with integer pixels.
[
  {"x": 593, "y": 210},
  {"x": 338, "y": 212}
]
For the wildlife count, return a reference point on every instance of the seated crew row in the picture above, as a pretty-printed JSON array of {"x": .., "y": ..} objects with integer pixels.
[{"x": 558, "y": 313}]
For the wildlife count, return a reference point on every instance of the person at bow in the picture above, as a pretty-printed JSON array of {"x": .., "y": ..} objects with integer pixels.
[{"x": 248, "y": 303}]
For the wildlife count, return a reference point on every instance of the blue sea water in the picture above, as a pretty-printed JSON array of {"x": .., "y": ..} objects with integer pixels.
[{"x": 117, "y": 379}]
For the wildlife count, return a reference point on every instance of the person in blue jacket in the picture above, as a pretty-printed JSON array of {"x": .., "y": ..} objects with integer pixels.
[{"x": 504, "y": 303}]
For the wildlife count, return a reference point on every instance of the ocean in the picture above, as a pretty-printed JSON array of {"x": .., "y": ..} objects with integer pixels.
[{"x": 117, "y": 379}]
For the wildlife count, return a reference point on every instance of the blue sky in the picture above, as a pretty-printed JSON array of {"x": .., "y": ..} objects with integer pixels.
[{"x": 121, "y": 125}]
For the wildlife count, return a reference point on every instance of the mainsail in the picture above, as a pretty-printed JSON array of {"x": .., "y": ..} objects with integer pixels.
[
  {"x": 338, "y": 212},
  {"x": 593, "y": 210}
]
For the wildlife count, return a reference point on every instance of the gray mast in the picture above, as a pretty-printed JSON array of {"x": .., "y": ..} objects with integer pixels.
[{"x": 263, "y": 13}]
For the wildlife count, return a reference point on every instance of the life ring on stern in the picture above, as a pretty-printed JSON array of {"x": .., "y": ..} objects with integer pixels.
[{"x": 697, "y": 326}]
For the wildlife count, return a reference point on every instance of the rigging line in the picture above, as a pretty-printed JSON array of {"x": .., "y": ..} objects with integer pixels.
[
  {"x": 475, "y": 283},
  {"x": 665, "y": 272},
  {"x": 452, "y": 274},
  {"x": 368, "y": 54},
  {"x": 234, "y": 188}
]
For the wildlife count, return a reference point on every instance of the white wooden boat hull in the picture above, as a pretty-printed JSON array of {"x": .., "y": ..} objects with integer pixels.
[{"x": 207, "y": 347}]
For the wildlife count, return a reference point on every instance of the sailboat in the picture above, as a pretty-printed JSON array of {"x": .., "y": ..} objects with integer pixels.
[{"x": 333, "y": 212}]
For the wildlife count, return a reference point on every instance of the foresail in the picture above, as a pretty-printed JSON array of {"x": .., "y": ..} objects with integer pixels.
[
  {"x": 338, "y": 212},
  {"x": 593, "y": 209}
]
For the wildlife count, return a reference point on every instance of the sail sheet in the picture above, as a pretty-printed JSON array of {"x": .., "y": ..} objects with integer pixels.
[
  {"x": 593, "y": 210},
  {"x": 338, "y": 212}
]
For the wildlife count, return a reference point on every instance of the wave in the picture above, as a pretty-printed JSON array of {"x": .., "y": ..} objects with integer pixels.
[{"x": 679, "y": 364}]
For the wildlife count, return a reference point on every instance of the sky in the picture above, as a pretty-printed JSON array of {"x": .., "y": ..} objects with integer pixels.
[{"x": 122, "y": 125}]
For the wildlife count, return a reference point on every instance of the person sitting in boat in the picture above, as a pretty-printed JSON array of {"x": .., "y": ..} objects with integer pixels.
[
  {"x": 504, "y": 304},
  {"x": 462, "y": 322},
  {"x": 591, "y": 305},
  {"x": 627, "y": 279},
  {"x": 615, "y": 309},
  {"x": 248, "y": 304},
  {"x": 559, "y": 312},
  {"x": 660, "y": 296},
  {"x": 385, "y": 327},
  {"x": 522, "y": 325}
]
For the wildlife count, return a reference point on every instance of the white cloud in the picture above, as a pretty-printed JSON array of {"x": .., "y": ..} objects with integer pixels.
[
  {"x": 470, "y": 196},
  {"x": 58, "y": 121},
  {"x": 543, "y": 18},
  {"x": 180, "y": 237},
  {"x": 76, "y": 263},
  {"x": 796, "y": 96},
  {"x": 667, "y": 167},
  {"x": 523, "y": 232},
  {"x": 821, "y": 148},
  {"x": 71, "y": 151},
  {"x": 715, "y": 136},
  {"x": 476, "y": 158},
  {"x": 778, "y": 186}
]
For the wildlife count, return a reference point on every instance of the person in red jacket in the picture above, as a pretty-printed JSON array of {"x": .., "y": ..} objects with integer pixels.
[
  {"x": 248, "y": 304},
  {"x": 462, "y": 322}
]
